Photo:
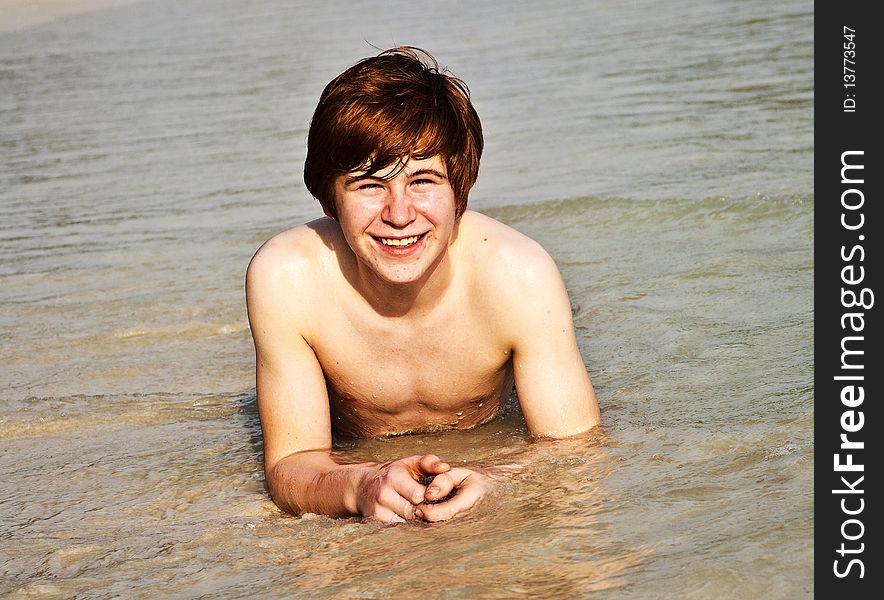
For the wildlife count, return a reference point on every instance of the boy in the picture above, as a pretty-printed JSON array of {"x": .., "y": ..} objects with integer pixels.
[{"x": 401, "y": 311}]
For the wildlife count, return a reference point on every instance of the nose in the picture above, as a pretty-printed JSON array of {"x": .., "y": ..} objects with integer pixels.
[{"x": 399, "y": 210}]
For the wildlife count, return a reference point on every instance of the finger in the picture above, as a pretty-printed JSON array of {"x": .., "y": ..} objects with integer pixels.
[
  {"x": 441, "y": 486},
  {"x": 385, "y": 515},
  {"x": 433, "y": 465},
  {"x": 403, "y": 483},
  {"x": 467, "y": 493},
  {"x": 400, "y": 505},
  {"x": 465, "y": 499}
]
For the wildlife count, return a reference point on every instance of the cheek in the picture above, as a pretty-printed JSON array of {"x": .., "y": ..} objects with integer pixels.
[
  {"x": 358, "y": 214},
  {"x": 435, "y": 207}
]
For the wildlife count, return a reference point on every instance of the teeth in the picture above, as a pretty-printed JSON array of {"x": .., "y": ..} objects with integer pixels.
[{"x": 401, "y": 242}]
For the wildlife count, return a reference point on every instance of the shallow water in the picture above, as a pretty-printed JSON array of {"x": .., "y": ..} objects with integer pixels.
[{"x": 661, "y": 151}]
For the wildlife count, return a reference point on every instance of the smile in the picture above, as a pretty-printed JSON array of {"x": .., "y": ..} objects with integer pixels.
[{"x": 400, "y": 242}]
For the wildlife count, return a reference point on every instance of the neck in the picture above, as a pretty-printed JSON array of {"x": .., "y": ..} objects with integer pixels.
[{"x": 393, "y": 299}]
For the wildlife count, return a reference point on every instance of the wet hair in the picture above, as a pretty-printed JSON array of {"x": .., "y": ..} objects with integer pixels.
[{"x": 385, "y": 110}]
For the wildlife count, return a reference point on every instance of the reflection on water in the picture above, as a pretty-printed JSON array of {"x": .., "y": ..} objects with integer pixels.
[{"x": 661, "y": 151}]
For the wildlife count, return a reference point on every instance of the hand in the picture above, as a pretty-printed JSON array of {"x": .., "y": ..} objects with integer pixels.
[
  {"x": 453, "y": 492},
  {"x": 390, "y": 492}
]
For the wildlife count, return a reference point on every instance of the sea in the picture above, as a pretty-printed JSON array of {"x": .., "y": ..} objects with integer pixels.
[{"x": 660, "y": 150}]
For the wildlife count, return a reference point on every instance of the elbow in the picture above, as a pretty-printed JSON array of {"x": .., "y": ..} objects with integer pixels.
[{"x": 281, "y": 489}]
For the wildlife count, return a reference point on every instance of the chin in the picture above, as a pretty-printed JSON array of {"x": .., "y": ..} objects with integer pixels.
[{"x": 400, "y": 278}]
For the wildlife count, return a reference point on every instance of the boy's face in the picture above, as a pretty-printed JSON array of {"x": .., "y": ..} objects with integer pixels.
[{"x": 400, "y": 226}]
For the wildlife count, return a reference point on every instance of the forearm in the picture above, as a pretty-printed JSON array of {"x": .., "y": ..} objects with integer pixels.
[{"x": 314, "y": 482}]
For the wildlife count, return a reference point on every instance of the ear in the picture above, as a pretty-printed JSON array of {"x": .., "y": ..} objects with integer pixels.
[{"x": 328, "y": 211}]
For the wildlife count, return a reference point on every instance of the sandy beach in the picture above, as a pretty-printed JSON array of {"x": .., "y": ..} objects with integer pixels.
[{"x": 18, "y": 15}]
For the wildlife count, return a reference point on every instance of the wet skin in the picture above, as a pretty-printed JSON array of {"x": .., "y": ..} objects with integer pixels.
[{"x": 398, "y": 317}]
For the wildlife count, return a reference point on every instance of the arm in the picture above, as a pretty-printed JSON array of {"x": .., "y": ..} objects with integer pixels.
[
  {"x": 554, "y": 389},
  {"x": 294, "y": 411}
]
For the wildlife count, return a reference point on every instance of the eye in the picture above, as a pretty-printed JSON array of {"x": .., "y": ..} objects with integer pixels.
[
  {"x": 369, "y": 186},
  {"x": 422, "y": 182}
]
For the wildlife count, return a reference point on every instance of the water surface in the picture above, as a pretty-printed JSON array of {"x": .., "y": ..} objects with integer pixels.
[{"x": 661, "y": 151}]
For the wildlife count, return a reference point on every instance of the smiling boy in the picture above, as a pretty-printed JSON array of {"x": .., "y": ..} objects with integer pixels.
[{"x": 401, "y": 311}]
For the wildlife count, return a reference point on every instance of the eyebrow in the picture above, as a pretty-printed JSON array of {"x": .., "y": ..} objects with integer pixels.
[
  {"x": 354, "y": 178},
  {"x": 428, "y": 172}
]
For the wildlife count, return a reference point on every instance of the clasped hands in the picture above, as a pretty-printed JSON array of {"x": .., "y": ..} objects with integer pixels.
[{"x": 420, "y": 487}]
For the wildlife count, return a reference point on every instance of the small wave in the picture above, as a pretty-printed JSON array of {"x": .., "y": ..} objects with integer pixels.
[
  {"x": 38, "y": 417},
  {"x": 186, "y": 331},
  {"x": 644, "y": 210},
  {"x": 787, "y": 448}
]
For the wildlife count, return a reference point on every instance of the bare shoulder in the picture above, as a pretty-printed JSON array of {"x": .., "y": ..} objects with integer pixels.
[
  {"x": 517, "y": 281},
  {"x": 504, "y": 257},
  {"x": 295, "y": 251},
  {"x": 290, "y": 261}
]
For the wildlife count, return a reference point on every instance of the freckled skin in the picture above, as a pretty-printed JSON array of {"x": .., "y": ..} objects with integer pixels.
[{"x": 360, "y": 331}]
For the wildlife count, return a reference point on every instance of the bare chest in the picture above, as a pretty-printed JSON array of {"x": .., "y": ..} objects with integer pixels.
[{"x": 386, "y": 377}]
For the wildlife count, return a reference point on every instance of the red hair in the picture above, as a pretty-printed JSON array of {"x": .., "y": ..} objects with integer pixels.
[{"x": 388, "y": 108}]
